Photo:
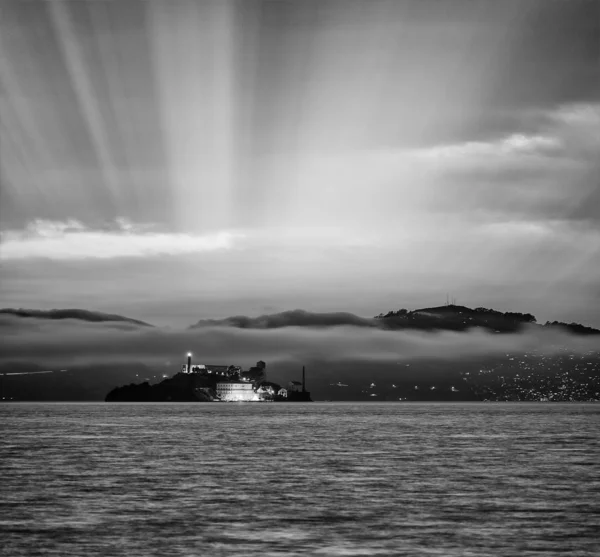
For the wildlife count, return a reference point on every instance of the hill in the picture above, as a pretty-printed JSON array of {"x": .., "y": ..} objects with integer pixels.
[
  {"x": 461, "y": 318},
  {"x": 448, "y": 317},
  {"x": 81, "y": 314},
  {"x": 294, "y": 318},
  {"x": 455, "y": 318}
]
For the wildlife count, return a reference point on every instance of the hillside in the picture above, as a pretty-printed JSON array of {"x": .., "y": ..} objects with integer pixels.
[
  {"x": 294, "y": 318},
  {"x": 461, "y": 318},
  {"x": 449, "y": 318},
  {"x": 80, "y": 314}
]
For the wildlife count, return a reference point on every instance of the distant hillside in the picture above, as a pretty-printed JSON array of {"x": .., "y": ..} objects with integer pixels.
[
  {"x": 295, "y": 318},
  {"x": 82, "y": 314},
  {"x": 461, "y": 318},
  {"x": 450, "y": 318},
  {"x": 575, "y": 328}
]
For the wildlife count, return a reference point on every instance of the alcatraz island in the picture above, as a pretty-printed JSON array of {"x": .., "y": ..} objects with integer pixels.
[{"x": 214, "y": 383}]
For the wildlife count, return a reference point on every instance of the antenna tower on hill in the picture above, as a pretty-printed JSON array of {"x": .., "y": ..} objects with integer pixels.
[{"x": 450, "y": 301}]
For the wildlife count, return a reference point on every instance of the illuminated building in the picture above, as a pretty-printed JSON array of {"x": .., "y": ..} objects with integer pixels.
[
  {"x": 236, "y": 391},
  {"x": 229, "y": 383},
  {"x": 208, "y": 369}
]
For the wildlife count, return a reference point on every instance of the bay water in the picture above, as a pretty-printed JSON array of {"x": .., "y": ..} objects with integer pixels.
[{"x": 269, "y": 479}]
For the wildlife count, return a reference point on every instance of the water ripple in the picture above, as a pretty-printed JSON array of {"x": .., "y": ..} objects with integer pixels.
[{"x": 300, "y": 479}]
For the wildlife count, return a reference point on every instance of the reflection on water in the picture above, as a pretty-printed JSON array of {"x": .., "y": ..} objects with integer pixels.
[{"x": 299, "y": 479}]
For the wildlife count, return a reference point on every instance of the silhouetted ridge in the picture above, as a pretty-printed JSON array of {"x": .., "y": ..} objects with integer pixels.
[
  {"x": 576, "y": 328},
  {"x": 295, "y": 318},
  {"x": 82, "y": 314},
  {"x": 456, "y": 318},
  {"x": 448, "y": 317}
]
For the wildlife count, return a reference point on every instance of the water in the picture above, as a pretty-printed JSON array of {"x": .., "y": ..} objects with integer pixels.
[{"x": 300, "y": 479}]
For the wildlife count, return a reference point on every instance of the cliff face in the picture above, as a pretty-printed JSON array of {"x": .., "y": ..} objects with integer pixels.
[{"x": 179, "y": 388}]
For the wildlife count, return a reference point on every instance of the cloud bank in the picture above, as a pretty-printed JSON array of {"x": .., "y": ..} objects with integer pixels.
[
  {"x": 71, "y": 239},
  {"x": 70, "y": 342}
]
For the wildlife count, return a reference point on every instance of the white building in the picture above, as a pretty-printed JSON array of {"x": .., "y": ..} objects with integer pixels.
[
  {"x": 282, "y": 392},
  {"x": 236, "y": 392}
]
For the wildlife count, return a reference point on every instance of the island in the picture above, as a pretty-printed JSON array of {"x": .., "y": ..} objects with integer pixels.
[{"x": 214, "y": 383}]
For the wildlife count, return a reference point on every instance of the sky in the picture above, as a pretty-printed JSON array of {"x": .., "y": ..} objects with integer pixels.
[{"x": 176, "y": 161}]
